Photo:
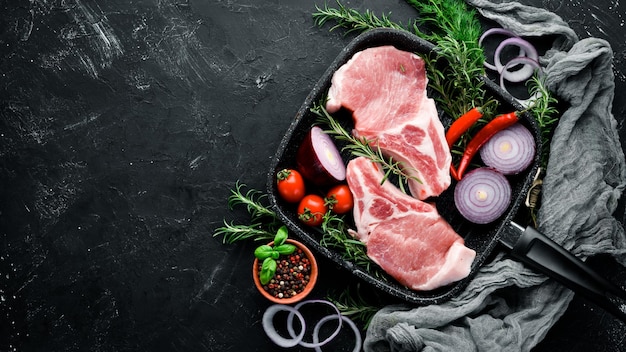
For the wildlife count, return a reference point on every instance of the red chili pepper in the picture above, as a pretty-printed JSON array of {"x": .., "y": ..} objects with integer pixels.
[
  {"x": 462, "y": 124},
  {"x": 499, "y": 123}
]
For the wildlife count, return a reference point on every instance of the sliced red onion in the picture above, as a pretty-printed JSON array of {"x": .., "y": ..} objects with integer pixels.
[
  {"x": 270, "y": 330},
  {"x": 483, "y": 195},
  {"x": 523, "y": 73},
  {"x": 358, "y": 343},
  {"x": 318, "y": 159},
  {"x": 315, "y": 343},
  {"x": 500, "y": 31},
  {"x": 528, "y": 62},
  {"x": 509, "y": 151}
]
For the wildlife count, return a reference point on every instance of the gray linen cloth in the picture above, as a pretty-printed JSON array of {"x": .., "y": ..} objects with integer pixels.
[{"x": 508, "y": 307}]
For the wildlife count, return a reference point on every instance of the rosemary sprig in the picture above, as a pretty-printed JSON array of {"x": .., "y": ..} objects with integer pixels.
[
  {"x": 264, "y": 222},
  {"x": 352, "y": 20},
  {"x": 233, "y": 232},
  {"x": 363, "y": 147},
  {"x": 355, "y": 306},
  {"x": 335, "y": 235},
  {"x": 545, "y": 112},
  {"x": 252, "y": 200},
  {"x": 463, "y": 61}
]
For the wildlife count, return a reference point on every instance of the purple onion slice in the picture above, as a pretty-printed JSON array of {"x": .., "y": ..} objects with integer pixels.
[
  {"x": 509, "y": 151},
  {"x": 483, "y": 195},
  {"x": 523, "y": 73},
  {"x": 272, "y": 333},
  {"x": 316, "y": 342},
  {"x": 500, "y": 31}
]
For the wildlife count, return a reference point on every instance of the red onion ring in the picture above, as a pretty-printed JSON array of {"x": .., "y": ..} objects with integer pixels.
[
  {"x": 483, "y": 195},
  {"x": 528, "y": 62},
  {"x": 270, "y": 330},
  {"x": 523, "y": 73},
  {"x": 358, "y": 342},
  {"x": 315, "y": 344},
  {"x": 501, "y": 31}
]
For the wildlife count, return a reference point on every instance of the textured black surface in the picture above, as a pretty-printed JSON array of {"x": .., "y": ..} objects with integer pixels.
[{"x": 123, "y": 126}]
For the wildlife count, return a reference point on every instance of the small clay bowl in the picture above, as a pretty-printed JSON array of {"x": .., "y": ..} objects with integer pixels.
[{"x": 301, "y": 295}]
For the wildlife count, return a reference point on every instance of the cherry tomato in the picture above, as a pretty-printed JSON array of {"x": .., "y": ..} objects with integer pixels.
[
  {"x": 290, "y": 185},
  {"x": 339, "y": 199},
  {"x": 311, "y": 210}
]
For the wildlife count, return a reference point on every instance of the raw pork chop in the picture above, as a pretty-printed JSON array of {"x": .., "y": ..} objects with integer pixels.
[
  {"x": 385, "y": 88},
  {"x": 405, "y": 236}
]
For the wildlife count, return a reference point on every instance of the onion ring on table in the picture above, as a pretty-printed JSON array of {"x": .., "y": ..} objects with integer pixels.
[
  {"x": 501, "y": 31},
  {"x": 270, "y": 330},
  {"x": 315, "y": 344},
  {"x": 358, "y": 342},
  {"x": 523, "y": 73},
  {"x": 529, "y": 63}
]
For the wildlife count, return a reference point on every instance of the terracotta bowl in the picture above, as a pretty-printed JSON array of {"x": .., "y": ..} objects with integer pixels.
[{"x": 307, "y": 289}]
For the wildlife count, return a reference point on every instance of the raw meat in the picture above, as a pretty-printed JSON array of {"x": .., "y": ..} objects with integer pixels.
[
  {"x": 405, "y": 236},
  {"x": 385, "y": 89}
]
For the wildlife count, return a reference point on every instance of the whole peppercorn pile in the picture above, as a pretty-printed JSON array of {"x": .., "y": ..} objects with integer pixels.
[{"x": 292, "y": 275}]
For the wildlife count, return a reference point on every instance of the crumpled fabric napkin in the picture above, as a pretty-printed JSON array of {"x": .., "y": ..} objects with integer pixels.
[{"x": 507, "y": 306}]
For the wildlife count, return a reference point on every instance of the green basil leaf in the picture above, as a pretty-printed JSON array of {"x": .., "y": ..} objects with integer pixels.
[
  {"x": 263, "y": 251},
  {"x": 285, "y": 249},
  {"x": 268, "y": 269},
  {"x": 281, "y": 236},
  {"x": 275, "y": 255}
]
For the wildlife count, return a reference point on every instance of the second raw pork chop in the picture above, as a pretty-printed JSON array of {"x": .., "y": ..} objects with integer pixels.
[{"x": 405, "y": 236}]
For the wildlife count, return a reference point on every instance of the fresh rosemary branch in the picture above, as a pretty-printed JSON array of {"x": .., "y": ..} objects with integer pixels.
[
  {"x": 545, "y": 112},
  {"x": 233, "y": 233},
  {"x": 463, "y": 61},
  {"x": 252, "y": 199},
  {"x": 363, "y": 147},
  {"x": 355, "y": 307},
  {"x": 335, "y": 235},
  {"x": 351, "y": 19},
  {"x": 264, "y": 221}
]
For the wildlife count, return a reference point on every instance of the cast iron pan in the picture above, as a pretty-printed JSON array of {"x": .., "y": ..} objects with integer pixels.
[{"x": 481, "y": 238}]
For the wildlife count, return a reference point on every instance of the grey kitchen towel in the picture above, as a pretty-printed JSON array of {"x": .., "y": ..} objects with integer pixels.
[{"x": 508, "y": 307}]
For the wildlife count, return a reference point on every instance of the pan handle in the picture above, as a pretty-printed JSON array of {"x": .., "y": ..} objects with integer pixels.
[{"x": 541, "y": 253}]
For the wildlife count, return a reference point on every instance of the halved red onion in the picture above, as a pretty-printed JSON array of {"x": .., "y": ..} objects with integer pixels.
[
  {"x": 315, "y": 343},
  {"x": 358, "y": 343},
  {"x": 270, "y": 330},
  {"x": 318, "y": 159},
  {"x": 483, "y": 195},
  {"x": 500, "y": 31},
  {"x": 526, "y": 71},
  {"x": 509, "y": 151}
]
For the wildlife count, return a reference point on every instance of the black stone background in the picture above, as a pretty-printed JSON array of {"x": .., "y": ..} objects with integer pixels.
[{"x": 123, "y": 126}]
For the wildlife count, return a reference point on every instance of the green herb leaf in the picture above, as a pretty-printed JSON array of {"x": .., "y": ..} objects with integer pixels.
[
  {"x": 285, "y": 249},
  {"x": 268, "y": 269},
  {"x": 281, "y": 236},
  {"x": 262, "y": 252}
]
